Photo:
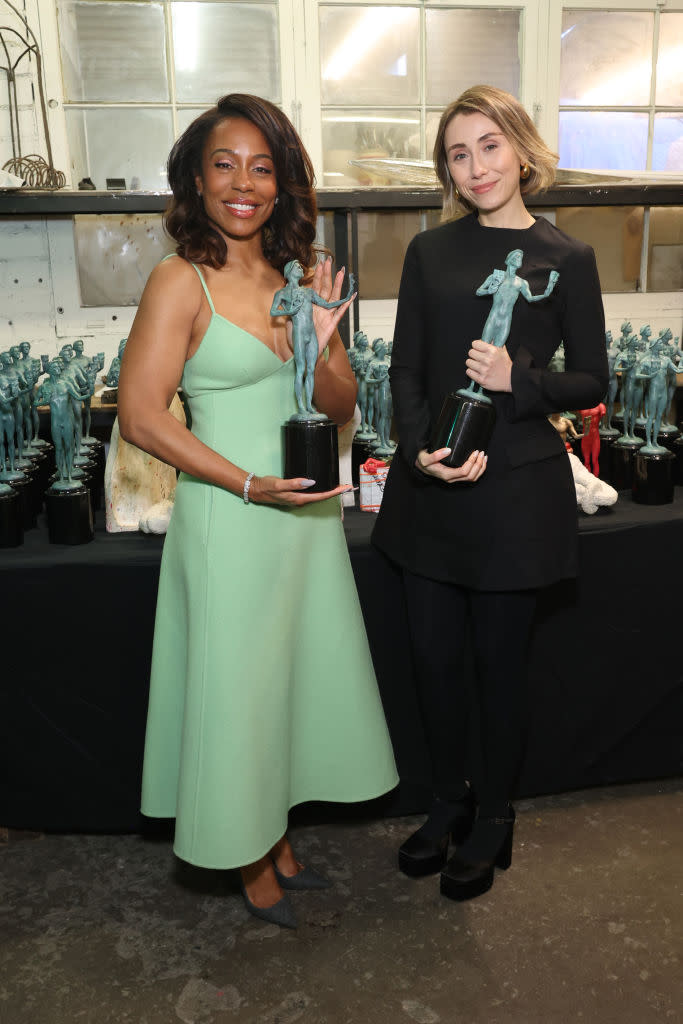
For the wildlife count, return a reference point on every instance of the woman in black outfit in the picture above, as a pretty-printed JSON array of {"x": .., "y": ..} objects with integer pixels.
[{"x": 475, "y": 543}]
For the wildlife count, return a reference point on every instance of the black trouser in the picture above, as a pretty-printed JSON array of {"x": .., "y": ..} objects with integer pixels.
[{"x": 499, "y": 626}]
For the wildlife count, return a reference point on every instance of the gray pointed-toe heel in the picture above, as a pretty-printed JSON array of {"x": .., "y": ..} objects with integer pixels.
[
  {"x": 281, "y": 913},
  {"x": 307, "y": 878}
]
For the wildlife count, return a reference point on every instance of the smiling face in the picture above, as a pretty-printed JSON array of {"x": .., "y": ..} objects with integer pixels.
[
  {"x": 237, "y": 181},
  {"x": 484, "y": 167}
]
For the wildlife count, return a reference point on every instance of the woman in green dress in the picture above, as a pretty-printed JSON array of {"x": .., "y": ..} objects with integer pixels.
[{"x": 262, "y": 693}]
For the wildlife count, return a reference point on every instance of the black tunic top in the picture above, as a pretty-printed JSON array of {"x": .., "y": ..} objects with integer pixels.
[{"x": 515, "y": 528}]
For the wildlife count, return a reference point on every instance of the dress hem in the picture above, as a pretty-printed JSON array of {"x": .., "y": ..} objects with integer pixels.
[{"x": 213, "y": 866}]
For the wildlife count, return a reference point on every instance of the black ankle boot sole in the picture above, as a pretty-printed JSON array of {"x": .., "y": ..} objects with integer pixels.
[
  {"x": 461, "y": 881},
  {"x": 420, "y": 855},
  {"x": 416, "y": 866},
  {"x": 461, "y": 891}
]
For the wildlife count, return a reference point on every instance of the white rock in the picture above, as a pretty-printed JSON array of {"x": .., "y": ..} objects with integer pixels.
[{"x": 138, "y": 487}]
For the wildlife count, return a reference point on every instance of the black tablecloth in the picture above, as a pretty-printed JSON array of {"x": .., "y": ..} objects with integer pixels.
[{"x": 606, "y": 686}]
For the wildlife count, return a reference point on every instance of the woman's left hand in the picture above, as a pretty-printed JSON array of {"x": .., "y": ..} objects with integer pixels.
[
  {"x": 490, "y": 366},
  {"x": 325, "y": 320}
]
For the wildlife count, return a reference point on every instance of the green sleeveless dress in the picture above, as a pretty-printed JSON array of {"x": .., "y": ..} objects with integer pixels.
[{"x": 262, "y": 691}]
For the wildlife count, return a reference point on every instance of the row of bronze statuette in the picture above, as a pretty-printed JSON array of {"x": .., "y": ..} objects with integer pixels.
[
  {"x": 638, "y": 448},
  {"x": 370, "y": 363},
  {"x": 64, "y": 475}
]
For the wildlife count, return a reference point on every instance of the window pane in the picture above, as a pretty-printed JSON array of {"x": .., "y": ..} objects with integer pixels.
[
  {"x": 665, "y": 256},
  {"x": 616, "y": 234},
  {"x": 370, "y": 55},
  {"x": 603, "y": 140},
  {"x": 113, "y": 51},
  {"x": 354, "y": 134},
  {"x": 460, "y": 43},
  {"x": 667, "y": 148},
  {"x": 186, "y": 115},
  {"x": 606, "y": 58},
  {"x": 382, "y": 242},
  {"x": 221, "y": 48},
  {"x": 670, "y": 61},
  {"x": 142, "y": 161}
]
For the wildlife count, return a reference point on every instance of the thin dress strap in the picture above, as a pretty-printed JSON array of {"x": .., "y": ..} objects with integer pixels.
[{"x": 206, "y": 290}]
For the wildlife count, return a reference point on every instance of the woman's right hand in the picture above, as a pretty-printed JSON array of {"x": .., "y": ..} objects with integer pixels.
[
  {"x": 430, "y": 464},
  {"x": 273, "y": 490}
]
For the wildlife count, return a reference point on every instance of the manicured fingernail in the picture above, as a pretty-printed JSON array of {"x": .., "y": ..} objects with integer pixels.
[
  {"x": 447, "y": 451},
  {"x": 307, "y": 483}
]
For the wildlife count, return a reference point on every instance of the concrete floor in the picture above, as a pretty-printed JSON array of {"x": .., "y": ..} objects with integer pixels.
[{"x": 587, "y": 925}]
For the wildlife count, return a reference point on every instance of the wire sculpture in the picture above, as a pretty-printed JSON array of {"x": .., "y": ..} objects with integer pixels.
[{"x": 34, "y": 170}]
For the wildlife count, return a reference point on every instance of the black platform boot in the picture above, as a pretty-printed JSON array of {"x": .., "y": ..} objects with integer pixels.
[
  {"x": 470, "y": 870},
  {"x": 426, "y": 851}
]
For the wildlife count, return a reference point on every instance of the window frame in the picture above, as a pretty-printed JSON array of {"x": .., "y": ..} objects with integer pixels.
[
  {"x": 299, "y": 67},
  {"x": 556, "y": 9},
  {"x": 531, "y": 74}
]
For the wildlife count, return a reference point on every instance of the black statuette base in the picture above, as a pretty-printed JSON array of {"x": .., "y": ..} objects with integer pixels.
[
  {"x": 653, "y": 482},
  {"x": 606, "y": 443},
  {"x": 621, "y": 458},
  {"x": 465, "y": 425},
  {"x": 360, "y": 451},
  {"x": 11, "y": 520},
  {"x": 311, "y": 450},
  {"x": 69, "y": 516},
  {"x": 677, "y": 449}
]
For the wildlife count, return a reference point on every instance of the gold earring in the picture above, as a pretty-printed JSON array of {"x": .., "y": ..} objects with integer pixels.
[
  {"x": 524, "y": 171},
  {"x": 456, "y": 194}
]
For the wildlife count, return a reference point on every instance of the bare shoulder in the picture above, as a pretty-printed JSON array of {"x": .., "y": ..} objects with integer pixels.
[
  {"x": 174, "y": 285},
  {"x": 175, "y": 272}
]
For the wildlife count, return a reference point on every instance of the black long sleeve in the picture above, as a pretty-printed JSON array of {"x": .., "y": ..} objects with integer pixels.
[{"x": 537, "y": 391}]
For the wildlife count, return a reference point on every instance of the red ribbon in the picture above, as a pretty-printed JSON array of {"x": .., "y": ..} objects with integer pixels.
[{"x": 372, "y": 465}]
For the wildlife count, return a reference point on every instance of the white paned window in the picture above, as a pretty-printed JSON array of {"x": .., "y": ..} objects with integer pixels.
[
  {"x": 388, "y": 70},
  {"x": 602, "y": 80},
  {"x": 136, "y": 72},
  {"x": 621, "y": 87}
]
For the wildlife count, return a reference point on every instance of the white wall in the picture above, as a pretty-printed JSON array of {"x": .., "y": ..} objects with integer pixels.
[{"x": 39, "y": 295}]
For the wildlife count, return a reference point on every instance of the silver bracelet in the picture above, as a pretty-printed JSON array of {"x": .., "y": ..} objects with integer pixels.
[{"x": 247, "y": 485}]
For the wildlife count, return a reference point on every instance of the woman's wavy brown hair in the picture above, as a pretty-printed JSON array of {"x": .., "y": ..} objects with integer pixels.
[
  {"x": 290, "y": 230},
  {"x": 517, "y": 127}
]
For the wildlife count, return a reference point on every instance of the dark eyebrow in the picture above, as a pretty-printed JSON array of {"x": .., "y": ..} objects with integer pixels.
[
  {"x": 257, "y": 156},
  {"x": 482, "y": 138}
]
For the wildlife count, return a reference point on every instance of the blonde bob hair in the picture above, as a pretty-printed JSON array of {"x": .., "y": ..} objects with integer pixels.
[{"x": 517, "y": 127}]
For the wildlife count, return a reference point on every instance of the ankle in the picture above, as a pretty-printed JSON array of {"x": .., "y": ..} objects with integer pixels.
[
  {"x": 282, "y": 855},
  {"x": 260, "y": 884},
  {"x": 443, "y": 814},
  {"x": 487, "y": 837}
]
